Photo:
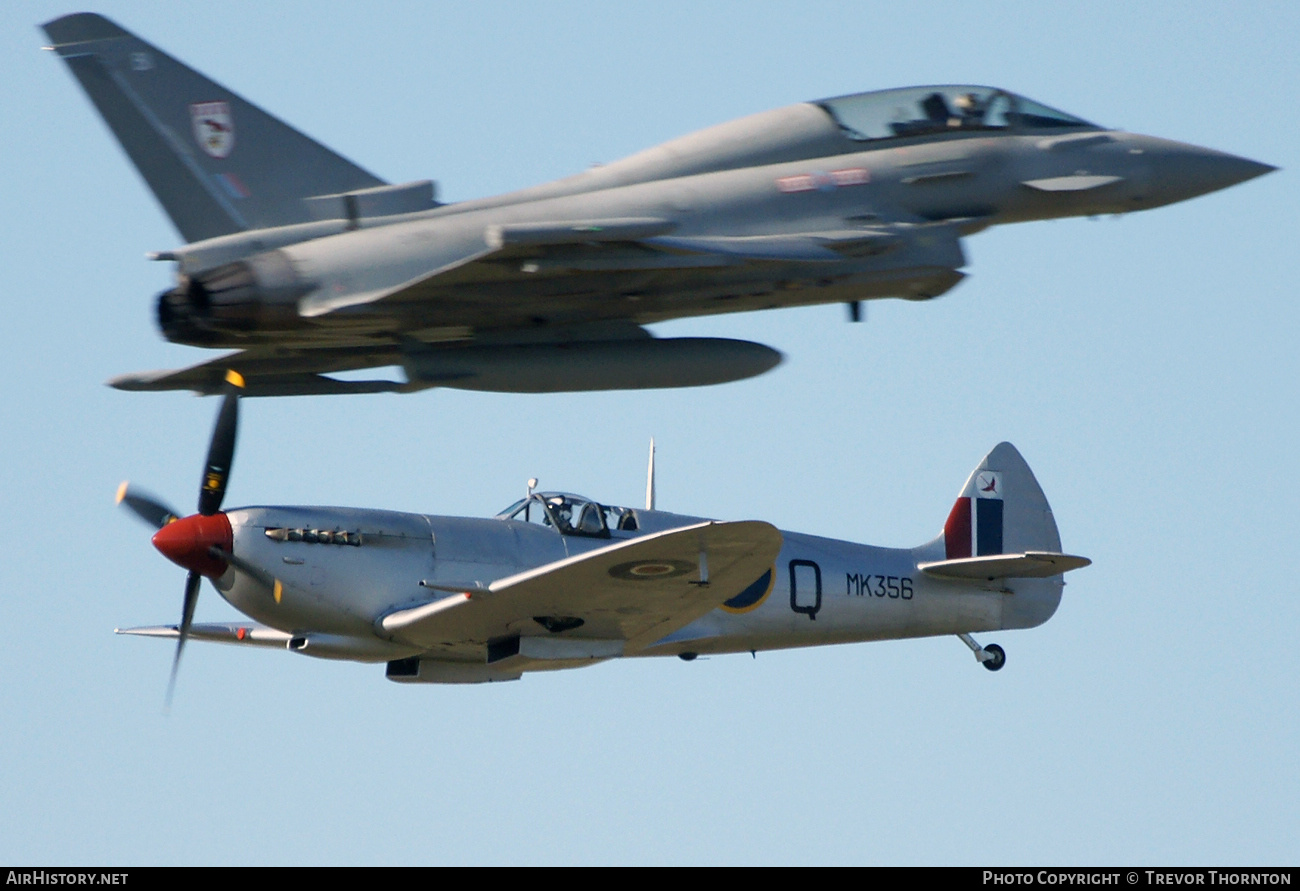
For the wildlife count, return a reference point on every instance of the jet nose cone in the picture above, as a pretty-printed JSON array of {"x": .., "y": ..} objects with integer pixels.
[
  {"x": 1216, "y": 170},
  {"x": 1181, "y": 171},
  {"x": 187, "y": 542}
]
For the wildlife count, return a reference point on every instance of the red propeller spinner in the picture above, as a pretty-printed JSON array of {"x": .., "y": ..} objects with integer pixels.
[{"x": 188, "y": 542}]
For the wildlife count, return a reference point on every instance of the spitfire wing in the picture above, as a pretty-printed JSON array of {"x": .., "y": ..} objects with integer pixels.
[
  {"x": 246, "y": 634},
  {"x": 633, "y": 592}
]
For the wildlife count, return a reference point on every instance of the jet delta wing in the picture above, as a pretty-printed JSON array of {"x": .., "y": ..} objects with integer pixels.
[
  {"x": 307, "y": 265},
  {"x": 560, "y": 581}
]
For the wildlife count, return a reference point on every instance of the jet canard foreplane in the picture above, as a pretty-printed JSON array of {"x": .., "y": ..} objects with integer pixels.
[{"x": 307, "y": 265}]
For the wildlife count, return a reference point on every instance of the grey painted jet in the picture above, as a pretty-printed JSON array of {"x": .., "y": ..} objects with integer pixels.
[
  {"x": 560, "y": 581},
  {"x": 309, "y": 265}
]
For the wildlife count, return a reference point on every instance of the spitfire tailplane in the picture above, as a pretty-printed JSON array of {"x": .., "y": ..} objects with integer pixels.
[{"x": 217, "y": 163}]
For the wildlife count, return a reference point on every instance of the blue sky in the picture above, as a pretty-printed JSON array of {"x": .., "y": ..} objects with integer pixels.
[{"x": 1146, "y": 367}]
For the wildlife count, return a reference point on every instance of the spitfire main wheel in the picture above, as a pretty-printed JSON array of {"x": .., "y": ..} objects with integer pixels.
[{"x": 999, "y": 657}]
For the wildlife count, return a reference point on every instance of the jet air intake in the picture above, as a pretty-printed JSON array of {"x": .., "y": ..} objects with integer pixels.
[{"x": 253, "y": 295}]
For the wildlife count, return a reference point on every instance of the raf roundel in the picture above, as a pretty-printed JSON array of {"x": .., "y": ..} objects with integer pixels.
[
  {"x": 650, "y": 570},
  {"x": 752, "y": 597}
]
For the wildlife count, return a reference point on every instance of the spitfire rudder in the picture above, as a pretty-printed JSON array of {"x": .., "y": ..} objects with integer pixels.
[
  {"x": 1001, "y": 510},
  {"x": 1000, "y": 535}
]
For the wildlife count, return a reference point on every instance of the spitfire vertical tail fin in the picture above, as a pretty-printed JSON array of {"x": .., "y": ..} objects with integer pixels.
[
  {"x": 1001, "y": 528},
  {"x": 217, "y": 163},
  {"x": 1001, "y": 510}
]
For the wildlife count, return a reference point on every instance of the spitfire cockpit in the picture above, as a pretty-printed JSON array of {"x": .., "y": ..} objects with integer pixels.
[
  {"x": 929, "y": 111},
  {"x": 571, "y": 514}
]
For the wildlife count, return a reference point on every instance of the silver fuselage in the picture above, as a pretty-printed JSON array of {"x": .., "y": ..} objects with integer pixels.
[{"x": 818, "y": 591}]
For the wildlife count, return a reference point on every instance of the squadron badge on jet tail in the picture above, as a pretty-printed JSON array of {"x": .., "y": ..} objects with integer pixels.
[{"x": 214, "y": 130}]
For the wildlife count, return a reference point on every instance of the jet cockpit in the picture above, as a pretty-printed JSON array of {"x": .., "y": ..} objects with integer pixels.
[{"x": 928, "y": 111}]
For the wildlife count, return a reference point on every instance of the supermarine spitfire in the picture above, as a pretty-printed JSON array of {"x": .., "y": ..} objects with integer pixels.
[
  {"x": 309, "y": 265},
  {"x": 560, "y": 581}
]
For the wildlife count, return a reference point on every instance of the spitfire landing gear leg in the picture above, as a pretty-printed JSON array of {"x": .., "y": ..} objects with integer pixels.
[{"x": 992, "y": 657}]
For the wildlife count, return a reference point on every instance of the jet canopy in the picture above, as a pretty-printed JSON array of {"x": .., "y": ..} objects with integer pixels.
[
  {"x": 925, "y": 111},
  {"x": 571, "y": 514}
]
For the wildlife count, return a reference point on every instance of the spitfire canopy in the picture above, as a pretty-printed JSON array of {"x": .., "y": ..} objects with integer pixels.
[
  {"x": 571, "y": 514},
  {"x": 925, "y": 111}
]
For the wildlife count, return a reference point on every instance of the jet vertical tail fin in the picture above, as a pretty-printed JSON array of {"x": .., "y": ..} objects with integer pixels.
[{"x": 217, "y": 163}]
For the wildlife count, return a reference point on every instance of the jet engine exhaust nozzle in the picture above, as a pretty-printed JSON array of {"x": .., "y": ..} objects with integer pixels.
[{"x": 257, "y": 294}]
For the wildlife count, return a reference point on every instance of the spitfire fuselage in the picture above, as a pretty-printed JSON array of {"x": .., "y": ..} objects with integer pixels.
[{"x": 818, "y": 590}]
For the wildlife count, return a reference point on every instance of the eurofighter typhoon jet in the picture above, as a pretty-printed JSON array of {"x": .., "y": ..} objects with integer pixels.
[{"x": 308, "y": 265}]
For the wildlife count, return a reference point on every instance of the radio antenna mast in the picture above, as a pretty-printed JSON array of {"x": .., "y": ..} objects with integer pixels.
[{"x": 650, "y": 479}]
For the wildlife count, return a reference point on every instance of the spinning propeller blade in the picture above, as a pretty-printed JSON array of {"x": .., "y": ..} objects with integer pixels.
[
  {"x": 216, "y": 471},
  {"x": 192, "y": 541},
  {"x": 145, "y": 506},
  {"x": 187, "y": 619}
]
